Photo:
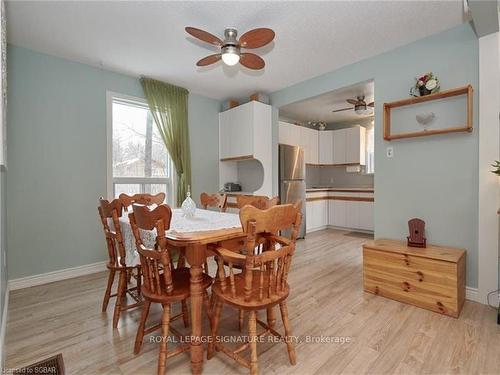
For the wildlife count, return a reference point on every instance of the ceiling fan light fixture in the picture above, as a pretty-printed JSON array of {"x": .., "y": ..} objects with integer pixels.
[
  {"x": 230, "y": 55},
  {"x": 363, "y": 110}
]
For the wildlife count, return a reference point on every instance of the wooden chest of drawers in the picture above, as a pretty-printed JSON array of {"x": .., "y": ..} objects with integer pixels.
[{"x": 432, "y": 278}]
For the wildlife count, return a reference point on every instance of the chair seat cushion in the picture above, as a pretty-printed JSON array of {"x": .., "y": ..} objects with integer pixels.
[
  {"x": 181, "y": 287},
  {"x": 255, "y": 302}
]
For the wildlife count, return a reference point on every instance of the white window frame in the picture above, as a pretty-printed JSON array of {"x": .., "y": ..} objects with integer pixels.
[{"x": 169, "y": 181}]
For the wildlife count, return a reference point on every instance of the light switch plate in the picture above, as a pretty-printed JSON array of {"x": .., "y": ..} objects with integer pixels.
[{"x": 389, "y": 152}]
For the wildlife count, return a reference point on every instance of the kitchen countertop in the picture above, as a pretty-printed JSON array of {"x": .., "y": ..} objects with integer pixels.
[{"x": 346, "y": 189}]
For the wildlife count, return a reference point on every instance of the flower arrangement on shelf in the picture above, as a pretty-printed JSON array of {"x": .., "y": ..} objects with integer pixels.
[
  {"x": 496, "y": 165},
  {"x": 425, "y": 85}
]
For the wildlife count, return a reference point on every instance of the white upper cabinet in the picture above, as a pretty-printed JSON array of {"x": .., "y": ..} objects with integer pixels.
[
  {"x": 355, "y": 149},
  {"x": 240, "y": 129},
  {"x": 339, "y": 146},
  {"x": 349, "y": 145},
  {"x": 311, "y": 146},
  {"x": 325, "y": 147},
  {"x": 285, "y": 135},
  {"x": 301, "y": 136},
  {"x": 343, "y": 146}
]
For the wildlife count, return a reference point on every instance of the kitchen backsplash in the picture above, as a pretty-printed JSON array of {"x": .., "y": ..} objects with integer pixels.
[{"x": 336, "y": 177}]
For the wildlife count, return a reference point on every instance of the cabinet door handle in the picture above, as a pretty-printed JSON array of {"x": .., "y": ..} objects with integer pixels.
[{"x": 420, "y": 276}]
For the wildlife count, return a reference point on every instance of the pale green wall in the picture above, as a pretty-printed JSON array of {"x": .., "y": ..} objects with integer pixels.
[
  {"x": 57, "y": 158},
  {"x": 434, "y": 178}
]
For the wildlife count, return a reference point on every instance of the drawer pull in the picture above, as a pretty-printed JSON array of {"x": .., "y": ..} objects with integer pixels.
[
  {"x": 420, "y": 276},
  {"x": 441, "y": 306},
  {"x": 406, "y": 286}
]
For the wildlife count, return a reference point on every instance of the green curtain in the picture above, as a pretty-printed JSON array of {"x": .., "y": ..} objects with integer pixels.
[{"x": 168, "y": 105}]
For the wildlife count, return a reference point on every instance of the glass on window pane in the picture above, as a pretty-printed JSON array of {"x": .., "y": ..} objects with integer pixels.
[
  {"x": 138, "y": 150},
  {"x": 129, "y": 189},
  {"x": 157, "y": 188}
]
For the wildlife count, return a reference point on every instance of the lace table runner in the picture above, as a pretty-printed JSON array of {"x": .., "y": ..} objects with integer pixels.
[{"x": 203, "y": 220}]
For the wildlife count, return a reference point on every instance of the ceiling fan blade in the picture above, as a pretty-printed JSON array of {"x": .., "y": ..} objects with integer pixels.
[
  {"x": 251, "y": 61},
  {"x": 212, "y": 59},
  {"x": 352, "y": 101},
  {"x": 344, "y": 109},
  {"x": 372, "y": 104},
  {"x": 204, "y": 36},
  {"x": 257, "y": 38}
]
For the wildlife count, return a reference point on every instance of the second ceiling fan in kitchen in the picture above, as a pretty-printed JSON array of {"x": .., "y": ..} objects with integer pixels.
[
  {"x": 360, "y": 106},
  {"x": 230, "y": 47}
]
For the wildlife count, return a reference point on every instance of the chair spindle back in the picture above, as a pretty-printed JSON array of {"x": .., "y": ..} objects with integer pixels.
[
  {"x": 214, "y": 200},
  {"x": 273, "y": 264},
  {"x": 156, "y": 264},
  {"x": 259, "y": 201},
  {"x": 114, "y": 238},
  {"x": 145, "y": 199}
]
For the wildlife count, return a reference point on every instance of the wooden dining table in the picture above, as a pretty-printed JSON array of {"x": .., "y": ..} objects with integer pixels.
[{"x": 208, "y": 227}]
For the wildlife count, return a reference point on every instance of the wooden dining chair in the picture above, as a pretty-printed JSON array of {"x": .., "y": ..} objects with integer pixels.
[
  {"x": 260, "y": 201},
  {"x": 143, "y": 198},
  {"x": 214, "y": 200},
  {"x": 163, "y": 283},
  {"x": 118, "y": 261},
  {"x": 263, "y": 281}
]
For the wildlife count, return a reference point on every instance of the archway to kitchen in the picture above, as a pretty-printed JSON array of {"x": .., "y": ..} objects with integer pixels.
[{"x": 334, "y": 134}]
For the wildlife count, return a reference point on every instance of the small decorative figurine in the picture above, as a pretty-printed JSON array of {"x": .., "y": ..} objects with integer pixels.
[
  {"x": 425, "y": 119},
  {"x": 417, "y": 233},
  {"x": 188, "y": 206}
]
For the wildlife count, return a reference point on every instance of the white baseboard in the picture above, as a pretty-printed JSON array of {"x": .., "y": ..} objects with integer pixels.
[
  {"x": 472, "y": 294},
  {"x": 3, "y": 329},
  {"x": 350, "y": 229},
  {"x": 49, "y": 277},
  {"x": 311, "y": 230}
]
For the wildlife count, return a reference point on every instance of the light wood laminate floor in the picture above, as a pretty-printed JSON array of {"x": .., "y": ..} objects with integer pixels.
[{"x": 326, "y": 302}]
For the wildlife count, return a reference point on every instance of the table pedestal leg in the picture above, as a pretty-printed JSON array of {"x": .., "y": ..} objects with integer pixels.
[{"x": 196, "y": 256}]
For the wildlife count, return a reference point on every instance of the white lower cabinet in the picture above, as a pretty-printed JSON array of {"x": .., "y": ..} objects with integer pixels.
[
  {"x": 316, "y": 215},
  {"x": 365, "y": 215},
  {"x": 337, "y": 213},
  {"x": 356, "y": 215},
  {"x": 351, "y": 214},
  {"x": 309, "y": 216}
]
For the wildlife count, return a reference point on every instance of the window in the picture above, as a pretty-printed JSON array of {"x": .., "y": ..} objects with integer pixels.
[
  {"x": 138, "y": 161},
  {"x": 370, "y": 149}
]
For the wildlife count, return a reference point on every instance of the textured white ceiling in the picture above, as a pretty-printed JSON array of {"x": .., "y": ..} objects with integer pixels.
[
  {"x": 320, "y": 107},
  {"x": 148, "y": 38}
]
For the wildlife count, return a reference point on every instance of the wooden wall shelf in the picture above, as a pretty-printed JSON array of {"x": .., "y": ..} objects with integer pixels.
[{"x": 466, "y": 90}]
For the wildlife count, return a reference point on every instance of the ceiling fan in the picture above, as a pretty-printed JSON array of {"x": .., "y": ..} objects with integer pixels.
[
  {"x": 360, "y": 106},
  {"x": 230, "y": 47}
]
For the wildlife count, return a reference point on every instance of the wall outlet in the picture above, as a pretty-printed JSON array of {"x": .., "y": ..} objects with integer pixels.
[{"x": 389, "y": 152}]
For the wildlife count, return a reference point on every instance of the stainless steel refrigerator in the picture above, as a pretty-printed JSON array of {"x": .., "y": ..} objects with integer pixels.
[{"x": 292, "y": 174}]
